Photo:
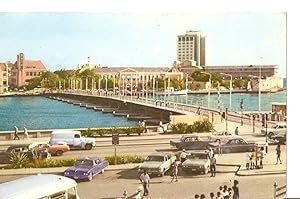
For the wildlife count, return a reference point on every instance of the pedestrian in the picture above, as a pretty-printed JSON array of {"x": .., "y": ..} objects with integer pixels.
[
  {"x": 219, "y": 196},
  {"x": 236, "y": 192},
  {"x": 183, "y": 155},
  {"x": 278, "y": 152},
  {"x": 174, "y": 171},
  {"x": 16, "y": 136},
  {"x": 202, "y": 196},
  {"x": 225, "y": 191},
  {"x": 211, "y": 195},
  {"x": 210, "y": 153},
  {"x": 261, "y": 157},
  {"x": 220, "y": 147},
  {"x": 25, "y": 133},
  {"x": 197, "y": 196},
  {"x": 248, "y": 160},
  {"x": 236, "y": 130},
  {"x": 145, "y": 179},
  {"x": 213, "y": 163}
]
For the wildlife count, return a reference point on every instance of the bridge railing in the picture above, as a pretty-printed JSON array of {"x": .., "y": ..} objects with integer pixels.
[{"x": 279, "y": 191}]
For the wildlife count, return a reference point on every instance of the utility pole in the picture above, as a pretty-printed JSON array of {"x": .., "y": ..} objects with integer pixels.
[
  {"x": 226, "y": 119},
  {"x": 241, "y": 106}
]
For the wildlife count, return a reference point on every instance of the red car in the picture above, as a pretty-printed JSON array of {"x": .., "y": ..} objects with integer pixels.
[{"x": 57, "y": 149}]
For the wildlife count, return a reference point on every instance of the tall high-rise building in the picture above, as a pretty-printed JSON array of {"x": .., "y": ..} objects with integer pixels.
[{"x": 191, "y": 46}]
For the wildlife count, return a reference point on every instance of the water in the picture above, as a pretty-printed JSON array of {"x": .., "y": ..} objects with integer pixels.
[
  {"x": 250, "y": 101},
  {"x": 44, "y": 113}
]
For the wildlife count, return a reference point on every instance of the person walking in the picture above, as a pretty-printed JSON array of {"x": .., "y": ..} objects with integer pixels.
[
  {"x": 210, "y": 153},
  {"x": 202, "y": 196},
  {"x": 253, "y": 159},
  {"x": 174, "y": 171},
  {"x": 213, "y": 163},
  {"x": 25, "y": 133},
  {"x": 145, "y": 179},
  {"x": 248, "y": 160},
  {"x": 219, "y": 147},
  {"x": 16, "y": 136},
  {"x": 261, "y": 157},
  {"x": 236, "y": 192},
  {"x": 278, "y": 152},
  {"x": 237, "y": 130},
  {"x": 197, "y": 196},
  {"x": 212, "y": 195}
]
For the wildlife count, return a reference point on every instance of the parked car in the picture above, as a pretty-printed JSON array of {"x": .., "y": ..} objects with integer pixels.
[
  {"x": 275, "y": 129},
  {"x": 157, "y": 163},
  {"x": 197, "y": 162},
  {"x": 279, "y": 138},
  {"x": 57, "y": 149},
  {"x": 73, "y": 139},
  {"x": 86, "y": 168},
  {"x": 191, "y": 142},
  {"x": 196, "y": 142},
  {"x": 22, "y": 149},
  {"x": 233, "y": 145}
]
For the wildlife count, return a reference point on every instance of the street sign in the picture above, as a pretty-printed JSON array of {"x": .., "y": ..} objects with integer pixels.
[{"x": 115, "y": 138}]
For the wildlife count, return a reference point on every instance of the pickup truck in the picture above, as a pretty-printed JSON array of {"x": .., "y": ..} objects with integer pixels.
[
  {"x": 157, "y": 163},
  {"x": 22, "y": 149},
  {"x": 275, "y": 129}
]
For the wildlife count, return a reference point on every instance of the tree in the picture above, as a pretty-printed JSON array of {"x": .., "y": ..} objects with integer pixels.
[{"x": 200, "y": 76}]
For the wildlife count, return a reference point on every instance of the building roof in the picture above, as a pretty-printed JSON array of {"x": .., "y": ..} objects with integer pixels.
[
  {"x": 133, "y": 69},
  {"x": 239, "y": 66},
  {"x": 37, "y": 63}
]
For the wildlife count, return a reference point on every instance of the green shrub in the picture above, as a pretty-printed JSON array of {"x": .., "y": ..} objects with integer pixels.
[
  {"x": 137, "y": 130},
  {"x": 199, "y": 126},
  {"x": 18, "y": 160},
  {"x": 125, "y": 159},
  {"x": 49, "y": 163},
  {"x": 180, "y": 128}
]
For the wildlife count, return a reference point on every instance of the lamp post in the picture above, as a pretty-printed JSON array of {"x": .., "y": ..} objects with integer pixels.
[
  {"x": 208, "y": 97},
  {"x": 259, "y": 89},
  {"x": 230, "y": 89}
]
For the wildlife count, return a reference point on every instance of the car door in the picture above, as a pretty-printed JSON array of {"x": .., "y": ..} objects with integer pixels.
[
  {"x": 77, "y": 140},
  {"x": 229, "y": 146}
]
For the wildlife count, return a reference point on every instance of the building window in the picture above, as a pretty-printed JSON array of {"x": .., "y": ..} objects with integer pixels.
[
  {"x": 179, "y": 39},
  {"x": 27, "y": 73},
  {"x": 34, "y": 74},
  {"x": 30, "y": 73}
]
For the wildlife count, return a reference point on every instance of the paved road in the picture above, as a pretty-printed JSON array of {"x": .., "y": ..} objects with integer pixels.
[{"x": 112, "y": 183}]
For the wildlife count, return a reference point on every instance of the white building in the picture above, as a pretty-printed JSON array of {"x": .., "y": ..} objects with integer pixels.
[
  {"x": 269, "y": 84},
  {"x": 191, "y": 46}
]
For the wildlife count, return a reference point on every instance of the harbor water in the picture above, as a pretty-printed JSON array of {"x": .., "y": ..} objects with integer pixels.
[{"x": 43, "y": 113}]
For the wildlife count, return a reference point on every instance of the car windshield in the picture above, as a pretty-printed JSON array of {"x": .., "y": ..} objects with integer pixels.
[
  {"x": 198, "y": 156},
  {"x": 84, "y": 163},
  {"x": 155, "y": 158}
]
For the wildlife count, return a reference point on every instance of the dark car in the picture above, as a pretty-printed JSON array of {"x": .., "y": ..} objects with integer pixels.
[
  {"x": 280, "y": 138},
  {"x": 191, "y": 142},
  {"x": 233, "y": 145},
  {"x": 86, "y": 168},
  {"x": 22, "y": 149}
]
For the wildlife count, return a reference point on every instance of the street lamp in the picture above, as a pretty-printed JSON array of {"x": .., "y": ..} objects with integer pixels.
[
  {"x": 230, "y": 89},
  {"x": 208, "y": 99}
]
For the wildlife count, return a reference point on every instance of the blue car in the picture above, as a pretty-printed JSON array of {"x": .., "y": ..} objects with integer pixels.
[{"x": 86, "y": 168}]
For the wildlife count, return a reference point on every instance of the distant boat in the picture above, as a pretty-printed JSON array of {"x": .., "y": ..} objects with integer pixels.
[{"x": 172, "y": 91}]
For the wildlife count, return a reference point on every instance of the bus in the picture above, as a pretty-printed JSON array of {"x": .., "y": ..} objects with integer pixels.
[{"x": 40, "y": 186}]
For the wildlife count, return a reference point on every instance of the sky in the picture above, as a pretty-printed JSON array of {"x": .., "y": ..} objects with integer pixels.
[{"x": 63, "y": 40}]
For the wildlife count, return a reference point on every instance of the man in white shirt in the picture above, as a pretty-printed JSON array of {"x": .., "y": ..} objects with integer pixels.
[
  {"x": 183, "y": 155},
  {"x": 145, "y": 179}
]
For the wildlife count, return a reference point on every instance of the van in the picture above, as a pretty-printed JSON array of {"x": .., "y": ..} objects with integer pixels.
[
  {"x": 40, "y": 186},
  {"x": 72, "y": 138}
]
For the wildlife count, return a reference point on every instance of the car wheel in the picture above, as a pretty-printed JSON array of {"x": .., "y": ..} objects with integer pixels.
[
  {"x": 162, "y": 173},
  {"x": 88, "y": 146},
  {"x": 90, "y": 177},
  {"x": 59, "y": 153}
]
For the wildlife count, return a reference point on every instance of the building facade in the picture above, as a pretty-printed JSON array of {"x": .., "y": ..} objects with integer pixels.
[
  {"x": 3, "y": 77},
  {"x": 191, "y": 46},
  {"x": 25, "y": 70}
]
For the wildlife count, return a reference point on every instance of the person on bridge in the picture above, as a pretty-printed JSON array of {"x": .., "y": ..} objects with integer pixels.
[
  {"x": 145, "y": 179},
  {"x": 16, "y": 136},
  {"x": 237, "y": 130}
]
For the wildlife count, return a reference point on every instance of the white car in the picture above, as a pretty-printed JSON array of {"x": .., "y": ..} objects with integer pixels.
[{"x": 277, "y": 128}]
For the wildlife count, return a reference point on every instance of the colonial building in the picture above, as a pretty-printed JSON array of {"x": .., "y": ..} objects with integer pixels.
[
  {"x": 3, "y": 77},
  {"x": 25, "y": 70},
  {"x": 127, "y": 76}
]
